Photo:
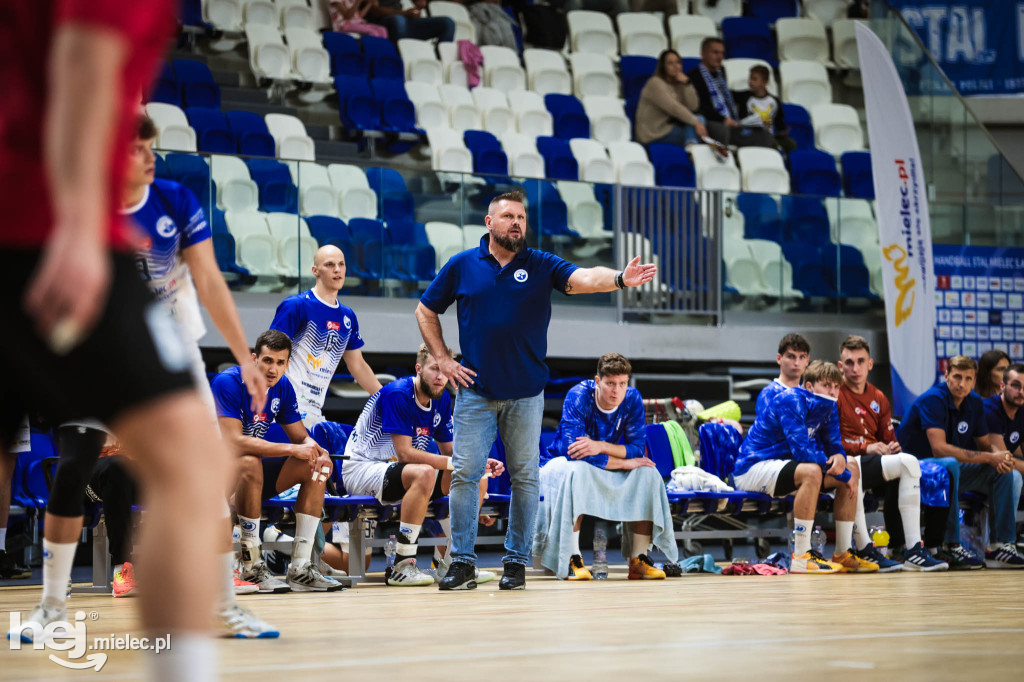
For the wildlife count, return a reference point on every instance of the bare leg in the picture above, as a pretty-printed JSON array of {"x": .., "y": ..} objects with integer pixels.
[{"x": 7, "y": 462}]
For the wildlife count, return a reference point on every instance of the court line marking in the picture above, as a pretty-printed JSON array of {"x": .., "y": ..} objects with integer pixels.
[{"x": 859, "y": 665}]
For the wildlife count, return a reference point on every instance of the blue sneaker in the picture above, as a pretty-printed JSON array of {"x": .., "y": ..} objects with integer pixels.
[
  {"x": 1005, "y": 556},
  {"x": 959, "y": 558},
  {"x": 918, "y": 558},
  {"x": 871, "y": 553}
]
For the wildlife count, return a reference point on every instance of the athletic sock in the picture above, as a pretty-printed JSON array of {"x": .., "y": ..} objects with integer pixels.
[
  {"x": 302, "y": 545},
  {"x": 408, "y": 534},
  {"x": 860, "y": 524},
  {"x": 3, "y": 539},
  {"x": 227, "y": 571},
  {"x": 189, "y": 657},
  {"x": 801, "y": 536},
  {"x": 844, "y": 536},
  {"x": 57, "y": 560},
  {"x": 250, "y": 541},
  {"x": 909, "y": 501},
  {"x": 576, "y": 543},
  {"x": 640, "y": 544}
]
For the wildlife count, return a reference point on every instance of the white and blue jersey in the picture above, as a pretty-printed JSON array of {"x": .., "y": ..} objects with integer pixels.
[
  {"x": 395, "y": 410},
  {"x": 171, "y": 220},
  {"x": 233, "y": 401},
  {"x": 767, "y": 394},
  {"x": 320, "y": 334},
  {"x": 581, "y": 416}
]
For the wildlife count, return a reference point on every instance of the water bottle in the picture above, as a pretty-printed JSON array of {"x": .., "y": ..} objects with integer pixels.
[
  {"x": 390, "y": 550},
  {"x": 818, "y": 540},
  {"x": 879, "y": 536},
  {"x": 600, "y": 555}
]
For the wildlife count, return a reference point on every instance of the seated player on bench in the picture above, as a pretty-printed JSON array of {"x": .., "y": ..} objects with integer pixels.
[
  {"x": 794, "y": 446},
  {"x": 792, "y": 357},
  {"x": 268, "y": 469},
  {"x": 388, "y": 459},
  {"x": 1005, "y": 419},
  {"x": 600, "y": 451}
]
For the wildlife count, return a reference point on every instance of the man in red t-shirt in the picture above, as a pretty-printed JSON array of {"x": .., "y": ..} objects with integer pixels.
[
  {"x": 72, "y": 73},
  {"x": 865, "y": 424}
]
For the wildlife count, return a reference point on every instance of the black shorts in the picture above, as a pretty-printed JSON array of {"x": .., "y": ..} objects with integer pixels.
[
  {"x": 785, "y": 482},
  {"x": 271, "y": 470},
  {"x": 133, "y": 356},
  {"x": 393, "y": 491},
  {"x": 871, "y": 472}
]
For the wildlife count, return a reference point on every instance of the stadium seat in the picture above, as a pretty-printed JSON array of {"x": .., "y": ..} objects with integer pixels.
[
  {"x": 165, "y": 88},
  {"x": 454, "y": 69},
  {"x": 806, "y": 220},
  {"x": 260, "y": 12},
  {"x": 837, "y": 128},
  {"x": 464, "y": 28},
  {"x": 358, "y": 108},
  {"x": 347, "y": 57},
  {"x": 776, "y": 271},
  {"x": 328, "y": 229},
  {"x": 317, "y": 195},
  {"x": 688, "y": 31},
  {"x": 810, "y": 275},
  {"x": 761, "y": 217},
  {"x": 310, "y": 60},
  {"x": 383, "y": 58},
  {"x": 585, "y": 213},
  {"x": 192, "y": 171},
  {"x": 814, "y": 172},
  {"x": 844, "y": 44},
  {"x": 448, "y": 152},
  {"x": 641, "y": 33},
  {"x": 290, "y": 135},
  {"x": 256, "y": 250},
  {"x": 799, "y": 121},
  {"x": 430, "y": 110},
  {"x": 593, "y": 74},
  {"x": 858, "y": 181},
  {"x": 462, "y": 111},
  {"x": 396, "y": 202},
  {"x": 251, "y": 134},
  {"x": 355, "y": 198},
  {"x": 712, "y": 173},
  {"x": 472, "y": 234},
  {"x": 277, "y": 192},
  {"x": 447, "y": 240},
  {"x": 569, "y": 118},
  {"x": 268, "y": 55},
  {"x": 737, "y": 71},
  {"x": 502, "y": 70},
  {"x": 524, "y": 160},
  {"x": 225, "y": 15},
  {"x": 802, "y": 38},
  {"x": 636, "y": 71},
  {"x": 773, "y": 10},
  {"x": 161, "y": 167},
  {"x": 805, "y": 83},
  {"x": 608, "y": 120},
  {"x": 592, "y": 159},
  {"x": 852, "y": 222},
  {"x": 173, "y": 131},
  {"x": 420, "y": 62},
  {"x": 592, "y": 32},
  {"x": 826, "y": 11},
  {"x": 763, "y": 170},
  {"x": 493, "y": 106},
  {"x": 748, "y": 38},
  {"x": 532, "y": 117},
  {"x": 718, "y": 10},
  {"x": 559, "y": 162},
  {"x": 296, "y": 14},
  {"x": 198, "y": 88},
  {"x": 546, "y": 73},
  {"x": 672, "y": 166},
  {"x": 212, "y": 130},
  {"x": 488, "y": 157},
  {"x": 236, "y": 190},
  {"x": 397, "y": 113},
  {"x": 295, "y": 244},
  {"x": 546, "y": 210},
  {"x": 632, "y": 165}
]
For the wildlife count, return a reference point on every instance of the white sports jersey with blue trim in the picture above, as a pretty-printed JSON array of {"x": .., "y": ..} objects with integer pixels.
[{"x": 395, "y": 410}]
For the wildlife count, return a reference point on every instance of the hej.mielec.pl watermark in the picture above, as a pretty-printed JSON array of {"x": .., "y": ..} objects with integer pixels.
[{"x": 71, "y": 637}]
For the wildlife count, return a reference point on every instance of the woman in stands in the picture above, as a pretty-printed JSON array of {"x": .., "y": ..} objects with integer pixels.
[
  {"x": 991, "y": 366},
  {"x": 668, "y": 105}
]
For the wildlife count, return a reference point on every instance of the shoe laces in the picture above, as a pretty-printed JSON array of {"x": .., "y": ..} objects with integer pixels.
[
  {"x": 260, "y": 572},
  {"x": 644, "y": 559}
]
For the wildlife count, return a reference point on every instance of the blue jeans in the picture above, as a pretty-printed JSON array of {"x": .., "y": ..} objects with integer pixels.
[
  {"x": 984, "y": 479},
  {"x": 423, "y": 28},
  {"x": 477, "y": 422},
  {"x": 680, "y": 135}
]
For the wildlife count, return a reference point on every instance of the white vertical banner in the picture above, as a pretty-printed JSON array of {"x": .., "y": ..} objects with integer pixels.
[{"x": 904, "y": 230}]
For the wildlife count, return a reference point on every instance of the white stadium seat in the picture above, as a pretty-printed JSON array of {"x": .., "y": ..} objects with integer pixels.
[
  {"x": 524, "y": 161},
  {"x": 448, "y": 151},
  {"x": 593, "y": 74},
  {"x": 355, "y": 198},
  {"x": 290, "y": 135},
  {"x": 737, "y": 70},
  {"x": 801, "y": 38},
  {"x": 471, "y": 235},
  {"x": 457, "y": 12},
  {"x": 462, "y": 111},
  {"x": 717, "y": 10},
  {"x": 268, "y": 55},
  {"x": 837, "y": 128},
  {"x": 430, "y": 110},
  {"x": 255, "y": 249},
  {"x": 688, "y": 31},
  {"x": 608, "y": 121},
  {"x": 260, "y": 12},
  {"x": 844, "y": 44},
  {"x": 317, "y": 195},
  {"x": 225, "y": 15},
  {"x": 826, "y": 11},
  {"x": 173, "y": 132},
  {"x": 532, "y": 117},
  {"x": 493, "y": 106},
  {"x": 295, "y": 245},
  {"x": 586, "y": 216},
  {"x": 776, "y": 271},
  {"x": 296, "y": 14},
  {"x": 762, "y": 170},
  {"x": 502, "y": 69},
  {"x": 805, "y": 83},
  {"x": 592, "y": 159},
  {"x": 641, "y": 33},
  {"x": 454, "y": 69},
  {"x": 310, "y": 61},
  {"x": 592, "y": 32},
  {"x": 446, "y": 238},
  {"x": 236, "y": 190},
  {"x": 546, "y": 72},
  {"x": 632, "y": 165},
  {"x": 421, "y": 64},
  {"x": 712, "y": 173},
  {"x": 853, "y": 223}
]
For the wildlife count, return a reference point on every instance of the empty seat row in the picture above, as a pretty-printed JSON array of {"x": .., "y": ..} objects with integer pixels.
[
  {"x": 303, "y": 58},
  {"x": 241, "y": 132},
  {"x": 233, "y": 15},
  {"x": 186, "y": 82}
]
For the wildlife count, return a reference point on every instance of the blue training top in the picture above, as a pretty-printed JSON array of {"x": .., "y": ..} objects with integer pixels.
[
  {"x": 934, "y": 409},
  {"x": 503, "y": 315},
  {"x": 999, "y": 422},
  {"x": 581, "y": 416},
  {"x": 767, "y": 394},
  {"x": 233, "y": 401}
]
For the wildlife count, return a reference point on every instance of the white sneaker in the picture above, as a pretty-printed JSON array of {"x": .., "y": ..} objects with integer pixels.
[
  {"x": 242, "y": 623},
  {"x": 441, "y": 567},
  {"x": 407, "y": 574},
  {"x": 309, "y": 579},
  {"x": 329, "y": 570},
  {"x": 267, "y": 581},
  {"x": 484, "y": 576},
  {"x": 42, "y": 615}
]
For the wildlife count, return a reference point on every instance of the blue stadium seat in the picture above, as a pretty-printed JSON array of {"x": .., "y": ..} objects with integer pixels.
[
  {"x": 396, "y": 200},
  {"x": 559, "y": 162},
  {"x": 814, "y": 172},
  {"x": 407, "y": 232},
  {"x": 857, "y": 178},
  {"x": 771, "y": 10},
  {"x": 809, "y": 272},
  {"x": 761, "y": 217},
  {"x": 277, "y": 193},
  {"x": 371, "y": 238},
  {"x": 636, "y": 71},
  {"x": 800, "y": 128},
  {"x": 690, "y": 63},
  {"x": 397, "y": 113},
  {"x": 567, "y": 116},
  {"x": 212, "y": 130},
  {"x": 328, "y": 229},
  {"x": 672, "y": 166},
  {"x": 165, "y": 87},
  {"x": 347, "y": 58},
  {"x": 546, "y": 210},
  {"x": 383, "y": 58},
  {"x": 806, "y": 220},
  {"x": 855, "y": 282},
  {"x": 161, "y": 168},
  {"x": 414, "y": 263},
  {"x": 190, "y": 13},
  {"x": 180, "y": 164},
  {"x": 488, "y": 156},
  {"x": 198, "y": 89},
  {"x": 357, "y": 107},
  {"x": 251, "y": 133},
  {"x": 218, "y": 225},
  {"x": 749, "y": 38},
  {"x": 224, "y": 252}
]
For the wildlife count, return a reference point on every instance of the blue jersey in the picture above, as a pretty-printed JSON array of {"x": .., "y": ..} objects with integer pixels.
[
  {"x": 171, "y": 220},
  {"x": 581, "y": 416},
  {"x": 320, "y": 334},
  {"x": 935, "y": 409},
  {"x": 395, "y": 410},
  {"x": 767, "y": 394},
  {"x": 999, "y": 422},
  {"x": 797, "y": 425},
  {"x": 233, "y": 401}
]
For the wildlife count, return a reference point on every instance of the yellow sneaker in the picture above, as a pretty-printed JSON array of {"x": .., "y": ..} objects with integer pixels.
[
  {"x": 577, "y": 571},
  {"x": 851, "y": 563},
  {"x": 812, "y": 562},
  {"x": 642, "y": 568}
]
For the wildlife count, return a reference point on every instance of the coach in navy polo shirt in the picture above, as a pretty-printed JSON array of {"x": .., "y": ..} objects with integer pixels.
[
  {"x": 947, "y": 422},
  {"x": 503, "y": 293},
  {"x": 1005, "y": 420}
]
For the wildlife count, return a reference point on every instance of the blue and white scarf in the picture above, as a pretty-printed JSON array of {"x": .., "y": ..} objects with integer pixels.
[{"x": 718, "y": 87}]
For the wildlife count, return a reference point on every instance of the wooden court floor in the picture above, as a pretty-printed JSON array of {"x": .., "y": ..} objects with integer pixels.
[{"x": 947, "y": 626}]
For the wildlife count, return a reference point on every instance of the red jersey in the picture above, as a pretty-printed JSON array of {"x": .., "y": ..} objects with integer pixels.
[
  {"x": 864, "y": 419},
  {"x": 27, "y": 28}
]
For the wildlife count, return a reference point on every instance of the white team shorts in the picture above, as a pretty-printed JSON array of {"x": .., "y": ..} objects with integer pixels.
[
  {"x": 762, "y": 477},
  {"x": 364, "y": 478}
]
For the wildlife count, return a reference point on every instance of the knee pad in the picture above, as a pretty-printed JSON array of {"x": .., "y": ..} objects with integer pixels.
[
  {"x": 79, "y": 448},
  {"x": 899, "y": 465}
]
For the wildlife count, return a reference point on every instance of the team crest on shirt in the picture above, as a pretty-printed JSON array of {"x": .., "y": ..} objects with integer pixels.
[
  {"x": 521, "y": 275},
  {"x": 165, "y": 227},
  {"x": 875, "y": 407},
  {"x": 334, "y": 326},
  {"x": 961, "y": 427},
  {"x": 275, "y": 405},
  {"x": 1015, "y": 436},
  {"x": 437, "y": 419},
  {"x": 348, "y": 322}
]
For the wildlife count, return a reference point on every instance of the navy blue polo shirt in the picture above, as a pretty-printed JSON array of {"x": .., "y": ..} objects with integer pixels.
[
  {"x": 934, "y": 409},
  {"x": 999, "y": 422},
  {"x": 503, "y": 315}
]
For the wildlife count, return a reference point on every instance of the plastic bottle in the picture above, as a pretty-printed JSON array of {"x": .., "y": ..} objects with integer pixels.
[
  {"x": 818, "y": 540},
  {"x": 879, "y": 537},
  {"x": 390, "y": 550},
  {"x": 600, "y": 555}
]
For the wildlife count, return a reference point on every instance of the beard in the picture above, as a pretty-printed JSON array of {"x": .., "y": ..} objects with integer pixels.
[
  {"x": 432, "y": 393},
  {"x": 515, "y": 245}
]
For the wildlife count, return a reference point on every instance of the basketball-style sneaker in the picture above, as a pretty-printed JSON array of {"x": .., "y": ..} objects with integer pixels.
[
  {"x": 407, "y": 574},
  {"x": 42, "y": 615},
  {"x": 244, "y": 586},
  {"x": 959, "y": 558},
  {"x": 642, "y": 568},
  {"x": 851, "y": 563},
  {"x": 308, "y": 578},
  {"x": 241, "y": 623},
  {"x": 267, "y": 581},
  {"x": 885, "y": 564},
  {"x": 513, "y": 577},
  {"x": 812, "y": 562},
  {"x": 917, "y": 558},
  {"x": 459, "y": 576},
  {"x": 10, "y": 570},
  {"x": 577, "y": 571},
  {"x": 1005, "y": 556},
  {"x": 124, "y": 581}
]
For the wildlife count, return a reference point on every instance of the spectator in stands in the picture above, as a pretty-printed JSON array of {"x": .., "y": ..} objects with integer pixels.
[
  {"x": 610, "y": 7},
  {"x": 349, "y": 16},
  {"x": 494, "y": 26},
  {"x": 756, "y": 107},
  {"x": 1005, "y": 419},
  {"x": 389, "y": 459},
  {"x": 598, "y": 461},
  {"x": 666, "y": 112},
  {"x": 865, "y": 423},
  {"x": 408, "y": 23},
  {"x": 795, "y": 446},
  {"x": 991, "y": 366},
  {"x": 716, "y": 101},
  {"x": 268, "y": 469},
  {"x": 8, "y": 460},
  {"x": 503, "y": 290},
  {"x": 942, "y": 423},
  {"x": 792, "y": 357},
  {"x": 323, "y": 332}
]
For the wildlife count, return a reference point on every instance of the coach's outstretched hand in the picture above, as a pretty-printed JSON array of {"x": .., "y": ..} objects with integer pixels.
[{"x": 636, "y": 274}]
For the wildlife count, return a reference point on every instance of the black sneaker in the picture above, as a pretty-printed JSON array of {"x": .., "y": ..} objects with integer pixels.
[
  {"x": 461, "y": 576},
  {"x": 959, "y": 558},
  {"x": 10, "y": 570},
  {"x": 672, "y": 570},
  {"x": 514, "y": 578}
]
